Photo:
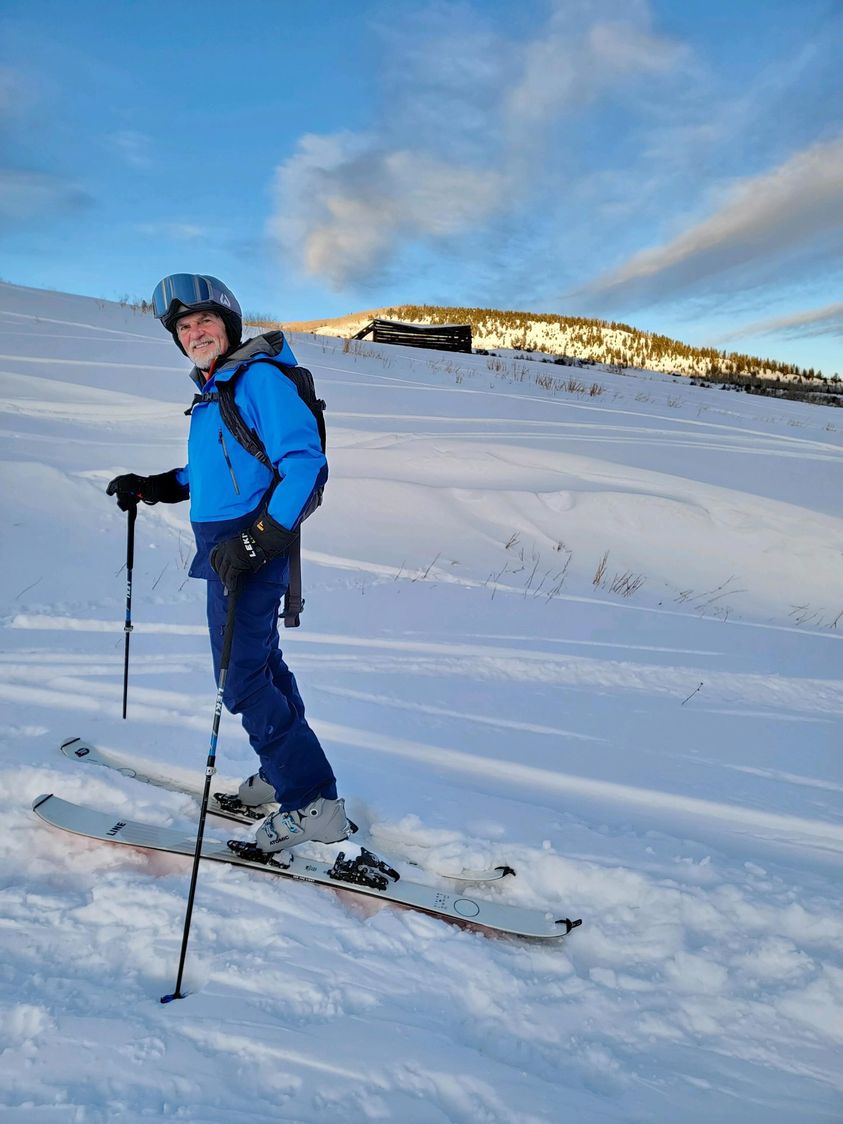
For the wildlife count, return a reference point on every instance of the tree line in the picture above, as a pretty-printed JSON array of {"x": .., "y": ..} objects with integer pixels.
[{"x": 608, "y": 341}]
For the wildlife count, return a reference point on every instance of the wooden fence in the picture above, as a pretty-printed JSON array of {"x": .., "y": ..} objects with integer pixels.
[{"x": 443, "y": 337}]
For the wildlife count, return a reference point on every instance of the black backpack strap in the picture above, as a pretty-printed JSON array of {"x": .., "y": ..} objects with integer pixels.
[
  {"x": 293, "y": 600},
  {"x": 233, "y": 420},
  {"x": 302, "y": 379},
  {"x": 207, "y": 396}
]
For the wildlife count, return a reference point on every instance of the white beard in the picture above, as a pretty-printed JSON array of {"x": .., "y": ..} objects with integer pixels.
[{"x": 208, "y": 356}]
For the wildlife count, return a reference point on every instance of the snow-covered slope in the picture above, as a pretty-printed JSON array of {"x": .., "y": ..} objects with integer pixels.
[
  {"x": 575, "y": 337},
  {"x": 595, "y": 635}
]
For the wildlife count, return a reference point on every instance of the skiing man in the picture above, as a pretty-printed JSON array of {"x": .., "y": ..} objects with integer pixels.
[{"x": 245, "y": 518}]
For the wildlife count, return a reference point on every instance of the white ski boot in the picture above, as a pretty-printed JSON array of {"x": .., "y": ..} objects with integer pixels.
[
  {"x": 256, "y": 790},
  {"x": 322, "y": 821}
]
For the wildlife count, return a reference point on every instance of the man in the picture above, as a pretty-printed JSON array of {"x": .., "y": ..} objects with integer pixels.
[{"x": 245, "y": 517}]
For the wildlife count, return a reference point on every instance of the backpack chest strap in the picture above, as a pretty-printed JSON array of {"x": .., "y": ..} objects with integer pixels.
[{"x": 207, "y": 396}]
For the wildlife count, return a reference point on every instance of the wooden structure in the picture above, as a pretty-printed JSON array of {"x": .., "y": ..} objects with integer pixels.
[{"x": 443, "y": 337}]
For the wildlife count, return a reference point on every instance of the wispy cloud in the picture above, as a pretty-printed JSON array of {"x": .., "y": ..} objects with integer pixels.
[
  {"x": 27, "y": 195},
  {"x": 463, "y": 135},
  {"x": 134, "y": 147},
  {"x": 826, "y": 321},
  {"x": 574, "y": 59},
  {"x": 350, "y": 202},
  {"x": 8, "y": 90},
  {"x": 175, "y": 231},
  {"x": 16, "y": 94},
  {"x": 793, "y": 212},
  {"x": 508, "y": 167}
]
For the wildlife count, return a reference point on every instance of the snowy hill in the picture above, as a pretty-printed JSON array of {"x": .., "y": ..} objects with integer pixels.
[
  {"x": 590, "y": 341},
  {"x": 592, "y": 633}
]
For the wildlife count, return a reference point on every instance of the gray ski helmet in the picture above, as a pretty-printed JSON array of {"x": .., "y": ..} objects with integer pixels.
[{"x": 180, "y": 293}]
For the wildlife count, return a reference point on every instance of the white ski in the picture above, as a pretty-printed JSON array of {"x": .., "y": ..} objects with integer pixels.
[
  {"x": 75, "y": 749},
  {"x": 495, "y": 916}
]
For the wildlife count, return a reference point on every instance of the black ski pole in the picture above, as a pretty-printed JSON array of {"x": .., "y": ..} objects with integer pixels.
[
  {"x": 210, "y": 769},
  {"x": 132, "y": 512}
]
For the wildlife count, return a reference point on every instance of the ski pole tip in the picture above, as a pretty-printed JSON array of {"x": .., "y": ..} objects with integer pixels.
[{"x": 170, "y": 998}]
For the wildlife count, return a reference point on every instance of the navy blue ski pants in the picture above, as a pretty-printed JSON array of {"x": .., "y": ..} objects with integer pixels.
[{"x": 262, "y": 689}]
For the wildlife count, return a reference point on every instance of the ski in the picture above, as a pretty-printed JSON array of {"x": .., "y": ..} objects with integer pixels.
[
  {"x": 226, "y": 805},
  {"x": 364, "y": 874}
]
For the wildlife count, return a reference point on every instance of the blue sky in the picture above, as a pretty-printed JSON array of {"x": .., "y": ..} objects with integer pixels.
[{"x": 676, "y": 164}]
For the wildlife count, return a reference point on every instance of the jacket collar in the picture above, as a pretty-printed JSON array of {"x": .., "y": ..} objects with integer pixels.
[{"x": 270, "y": 343}]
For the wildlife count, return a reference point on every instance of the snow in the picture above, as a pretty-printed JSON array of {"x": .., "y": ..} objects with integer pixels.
[
  {"x": 591, "y": 340},
  {"x": 659, "y": 757}
]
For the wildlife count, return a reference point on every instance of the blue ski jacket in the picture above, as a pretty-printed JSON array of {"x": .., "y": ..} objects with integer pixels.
[{"x": 228, "y": 486}]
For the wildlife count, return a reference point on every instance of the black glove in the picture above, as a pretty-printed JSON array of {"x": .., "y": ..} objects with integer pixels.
[
  {"x": 163, "y": 488},
  {"x": 248, "y": 551}
]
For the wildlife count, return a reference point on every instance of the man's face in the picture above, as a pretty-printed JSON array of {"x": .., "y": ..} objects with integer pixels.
[{"x": 203, "y": 337}]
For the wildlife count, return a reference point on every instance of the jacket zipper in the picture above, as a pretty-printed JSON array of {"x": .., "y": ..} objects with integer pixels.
[{"x": 228, "y": 462}]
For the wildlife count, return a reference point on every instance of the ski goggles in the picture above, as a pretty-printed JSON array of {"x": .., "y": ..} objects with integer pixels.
[{"x": 192, "y": 291}]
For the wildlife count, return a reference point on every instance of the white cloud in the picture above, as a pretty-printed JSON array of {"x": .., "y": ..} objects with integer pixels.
[
  {"x": 15, "y": 94},
  {"x": 26, "y": 195},
  {"x": 484, "y": 149},
  {"x": 574, "y": 60},
  {"x": 344, "y": 203},
  {"x": 176, "y": 231},
  {"x": 463, "y": 135},
  {"x": 134, "y": 147},
  {"x": 796, "y": 208},
  {"x": 825, "y": 321},
  {"x": 622, "y": 46}
]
